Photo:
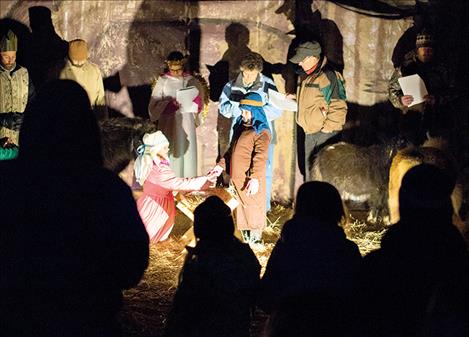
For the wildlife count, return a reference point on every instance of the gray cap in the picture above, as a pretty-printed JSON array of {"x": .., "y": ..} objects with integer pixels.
[{"x": 306, "y": 49}]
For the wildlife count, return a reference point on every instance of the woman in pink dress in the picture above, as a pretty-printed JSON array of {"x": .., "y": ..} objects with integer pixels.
[{"x": 156, "y": 205}]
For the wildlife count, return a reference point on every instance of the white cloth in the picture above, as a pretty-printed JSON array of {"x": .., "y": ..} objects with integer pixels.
[
  {"x": 178, "y": 126},
  {"x": 152, "y": 144}
]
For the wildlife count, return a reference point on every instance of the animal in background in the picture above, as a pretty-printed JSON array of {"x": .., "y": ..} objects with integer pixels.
[
  {"x": 434, "y": 152},
  {"x": 359, "y": 173}
]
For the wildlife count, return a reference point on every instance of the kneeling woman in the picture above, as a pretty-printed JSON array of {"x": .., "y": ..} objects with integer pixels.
[{"x": 156, "y": 205}]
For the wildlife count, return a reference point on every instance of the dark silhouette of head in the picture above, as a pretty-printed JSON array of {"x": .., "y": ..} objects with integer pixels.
[
  {"x": 319, "y": 200},
  {"x": 60, "y": 127},
  {"x": 237, "y": 35},
  {"x": 426, "y": 193},
  {"x": 40, "y": 19},
  {"x": 213, "y": 221}
]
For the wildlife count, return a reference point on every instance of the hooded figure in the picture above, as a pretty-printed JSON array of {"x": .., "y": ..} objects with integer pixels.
[
  {"x": 251, "y": 139},
  {"x": 78, "y": 68},
  {"x": 86, "y": 242}
]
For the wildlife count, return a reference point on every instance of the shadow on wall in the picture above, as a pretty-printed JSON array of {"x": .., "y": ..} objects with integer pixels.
[
  {"x": 155, "y": 31},
  {"x": 225, "y": 70},
  {"x": 308, "y": 26},
  {"x": 237, "y": 37},
  {"x": 41, "y": 50},
  {"x": 48, "y": 49}
]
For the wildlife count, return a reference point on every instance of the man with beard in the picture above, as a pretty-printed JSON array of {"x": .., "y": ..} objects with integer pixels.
[
  {"x": 432, "y": 115},
  {"x": 16, "y": 89}
]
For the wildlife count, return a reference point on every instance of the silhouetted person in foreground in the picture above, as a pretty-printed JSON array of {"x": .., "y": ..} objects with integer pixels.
[
  {"x": 417, "y": 283},
  {"x": 218, "y": 281},
  {"x": 311, "y": 315},
  {"x": 312, "y": 255},
  {"x": 71, "y": 238}
]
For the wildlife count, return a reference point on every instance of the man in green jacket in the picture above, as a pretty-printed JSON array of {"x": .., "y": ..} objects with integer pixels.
[{"x": 321, "y": 101}]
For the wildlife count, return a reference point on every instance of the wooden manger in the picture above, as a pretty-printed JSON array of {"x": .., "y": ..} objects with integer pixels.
[{"x": 187, "y": 202}]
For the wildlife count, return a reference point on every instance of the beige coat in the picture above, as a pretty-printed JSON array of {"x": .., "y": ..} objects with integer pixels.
[
  {"x": 318, "y": 109},
  {"x": 89, "y": 77}
]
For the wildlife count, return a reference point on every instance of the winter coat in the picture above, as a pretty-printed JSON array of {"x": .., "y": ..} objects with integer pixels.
[{"x": 321, "y": 101}]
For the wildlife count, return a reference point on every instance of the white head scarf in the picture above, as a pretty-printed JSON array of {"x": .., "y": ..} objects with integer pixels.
[{"x": 152, "y": 144}]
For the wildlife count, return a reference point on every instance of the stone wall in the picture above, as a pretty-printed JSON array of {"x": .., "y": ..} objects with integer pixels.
[{"x": 130, "y": 39}]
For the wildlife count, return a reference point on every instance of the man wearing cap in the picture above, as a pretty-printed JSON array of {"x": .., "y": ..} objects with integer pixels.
[
  {"x": 78, "y": 68},
  {"x": 16, "y": 89},
  {"x": 321, "y": 100},
  {"x": 418, "y": 119}
]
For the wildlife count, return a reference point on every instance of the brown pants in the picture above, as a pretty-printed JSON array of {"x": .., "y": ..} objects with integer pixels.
[{"x": 248, "y": 160}]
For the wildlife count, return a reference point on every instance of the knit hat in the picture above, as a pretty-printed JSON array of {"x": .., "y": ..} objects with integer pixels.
[
  {"x": 78, "y": 50},
  {"x": 305, "y": 50},
  {"x": 424, "y": 39},
  {"x": 152, "y": 143},
  {"x": 9, "y": 42}
]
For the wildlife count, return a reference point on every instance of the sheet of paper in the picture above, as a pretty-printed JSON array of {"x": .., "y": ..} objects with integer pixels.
[
  {"x": 413, "y": 85},
  {"x": 281, "y": 102},
  {"x": 185, "y": 97}
]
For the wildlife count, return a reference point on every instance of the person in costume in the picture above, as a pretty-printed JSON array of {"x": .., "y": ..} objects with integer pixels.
[
  {"x": 16, "y": 89},
  {"x": 249, "y": 152},
  {"x": 152, "y": 170},
  {"x": 251, "y": 79},
  {"x": 176, "y": 122},
  {"x": 79, "y": 69}
]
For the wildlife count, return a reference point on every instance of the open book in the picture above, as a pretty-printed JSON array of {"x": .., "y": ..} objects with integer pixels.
[
  {"x": 280, "y": 101},
  {"x": 185, "y": 97}
]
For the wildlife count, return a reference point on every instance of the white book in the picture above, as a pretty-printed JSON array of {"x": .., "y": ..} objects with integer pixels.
[
  {"x": 185, "y": 97},
  {"x": 280, "y": 101},
  {"x": 413, "y": 85}
]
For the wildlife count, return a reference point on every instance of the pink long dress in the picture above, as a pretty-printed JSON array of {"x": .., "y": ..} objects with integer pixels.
[{"x": 156, "y": 205}]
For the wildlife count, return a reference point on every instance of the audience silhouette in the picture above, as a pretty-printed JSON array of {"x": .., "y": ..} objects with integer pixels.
[
  {"x": 218, "y": 280},
  {"x": 416, "y": 284},
  {"x": 312, "y": 255},
  {"x": 71, "y": 238}
]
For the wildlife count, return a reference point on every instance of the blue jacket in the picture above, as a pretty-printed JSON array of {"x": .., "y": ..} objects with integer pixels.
[{"x": 234, "y": 91}]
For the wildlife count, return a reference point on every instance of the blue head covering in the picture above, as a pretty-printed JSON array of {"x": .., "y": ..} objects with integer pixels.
[{"x": 253, "y": 102}]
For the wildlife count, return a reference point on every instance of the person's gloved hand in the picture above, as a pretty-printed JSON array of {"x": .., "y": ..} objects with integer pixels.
[
  {"x": 252, "y": 186},
  {"x": 11, "y": 120}
]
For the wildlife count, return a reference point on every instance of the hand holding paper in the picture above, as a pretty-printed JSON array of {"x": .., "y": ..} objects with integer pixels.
[
  {"x": 185, "y": 98},
  {"x": 414, "y": 86}
]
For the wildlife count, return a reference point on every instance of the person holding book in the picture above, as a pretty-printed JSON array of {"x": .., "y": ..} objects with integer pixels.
[
  {"x": 432, "y": 115},
  {"x": 178, "y": 122}
]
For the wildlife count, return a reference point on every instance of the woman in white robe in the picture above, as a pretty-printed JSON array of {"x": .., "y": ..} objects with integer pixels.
[{"x": 177, "y": 121}]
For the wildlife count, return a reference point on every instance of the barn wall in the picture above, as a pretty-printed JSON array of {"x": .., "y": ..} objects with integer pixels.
[{"x": 131, "y": 38}]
